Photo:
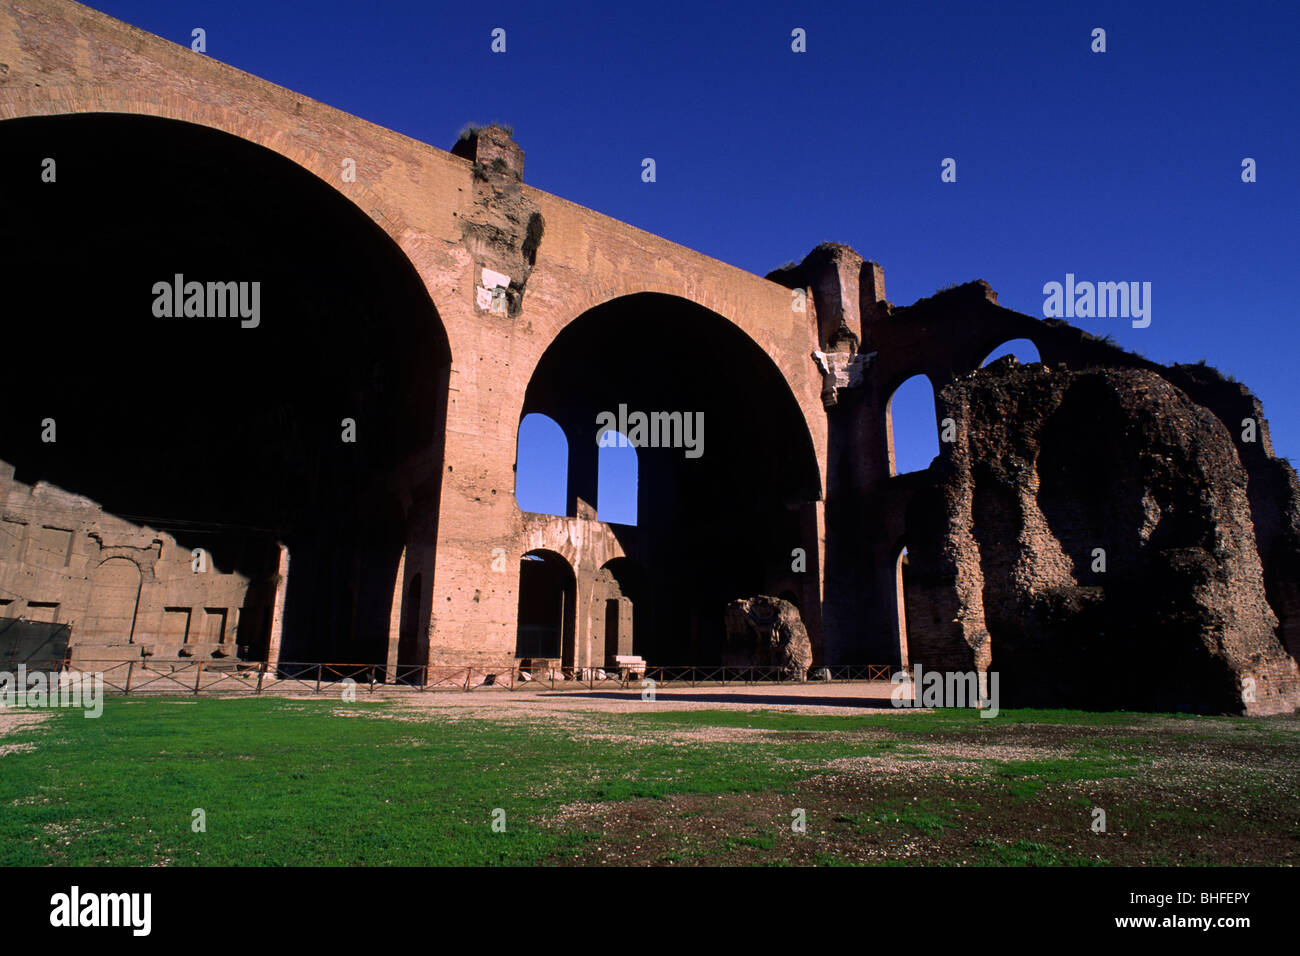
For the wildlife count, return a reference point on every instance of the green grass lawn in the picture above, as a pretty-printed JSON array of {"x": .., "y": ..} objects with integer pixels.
[{"x": 285, "y": 782}]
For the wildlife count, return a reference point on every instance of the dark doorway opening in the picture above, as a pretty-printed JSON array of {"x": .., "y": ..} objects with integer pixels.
[{"x": 547, "y": 611}]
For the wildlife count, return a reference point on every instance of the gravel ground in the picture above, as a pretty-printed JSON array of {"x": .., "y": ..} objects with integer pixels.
[
  {"x": 867, "y": 697},
  {"x": 13, "y": 720}
]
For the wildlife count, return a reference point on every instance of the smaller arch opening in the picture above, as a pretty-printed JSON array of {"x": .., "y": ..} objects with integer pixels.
[
  {"x": 911, "y": 426},
  {"x": 117, "y": 582},
  {"x": 616, "y": 479},
  {"x": 541, "y": 466},
  {"x": 547, "y": 592},
  {"x": 1025, "y": 351},
  {"x": 620, "y": 586}
]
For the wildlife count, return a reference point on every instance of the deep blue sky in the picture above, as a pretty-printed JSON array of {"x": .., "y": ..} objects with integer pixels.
[{"x": 1117, "y": 166}]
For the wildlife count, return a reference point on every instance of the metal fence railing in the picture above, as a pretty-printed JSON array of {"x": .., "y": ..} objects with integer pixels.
[{"x": 226, "y": 676}]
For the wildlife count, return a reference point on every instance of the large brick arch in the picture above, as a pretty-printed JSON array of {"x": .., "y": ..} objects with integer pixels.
[
  {"x": 121, "y": 219},
  {"x": 717, "y": 521}
]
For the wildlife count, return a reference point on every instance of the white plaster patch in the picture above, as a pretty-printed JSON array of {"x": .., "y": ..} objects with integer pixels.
[{"x": 492, "y": 279}]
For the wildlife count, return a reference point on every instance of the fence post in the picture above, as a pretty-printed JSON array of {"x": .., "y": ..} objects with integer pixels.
[
  {"x": 198, "y": 678},
  {"x": 130, "y": 666},
  {"x": 372, "y": 678},
  {"x": 319, "y": 669},
  {"x": 261, "y": 673},
  {"x": 469, "y": 676}
]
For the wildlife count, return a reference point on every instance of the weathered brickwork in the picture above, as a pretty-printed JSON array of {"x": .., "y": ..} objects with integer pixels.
[
  {"x": 125, "y": 590},
  {"x": 1120, "y": 573}
]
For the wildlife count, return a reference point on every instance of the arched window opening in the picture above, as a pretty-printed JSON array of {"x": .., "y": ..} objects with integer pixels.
[
  {"x": 913, "y": 432},
  {"x": 541, "y": 466},
  {"x": 616, "y": 485}
]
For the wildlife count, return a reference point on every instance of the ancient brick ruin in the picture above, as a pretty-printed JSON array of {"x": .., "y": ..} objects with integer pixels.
[{"x": 334, "y": 480}]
